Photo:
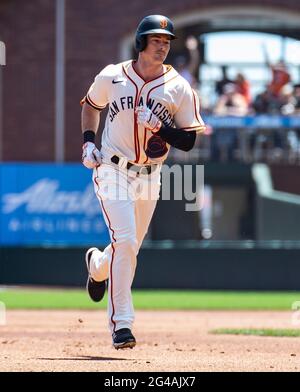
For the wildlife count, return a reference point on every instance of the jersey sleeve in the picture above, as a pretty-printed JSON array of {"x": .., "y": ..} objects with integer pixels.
[
  {"x": 97, "y": 95},
  {"x": 188, "y": 114}
]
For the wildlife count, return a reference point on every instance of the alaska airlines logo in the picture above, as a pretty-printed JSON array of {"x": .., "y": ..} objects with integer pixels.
[
  {"x": 43, "y": 197},
  {"x": 163, "y": 23}
]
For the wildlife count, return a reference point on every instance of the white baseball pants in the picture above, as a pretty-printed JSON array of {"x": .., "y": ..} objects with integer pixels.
[{"x": 128, "y": 202}]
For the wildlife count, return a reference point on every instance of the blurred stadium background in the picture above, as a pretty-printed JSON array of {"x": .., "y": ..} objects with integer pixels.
[{"x": 243, "y": 58}]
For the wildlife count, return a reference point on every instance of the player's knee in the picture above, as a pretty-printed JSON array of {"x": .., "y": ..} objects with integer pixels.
[
  {"x": 128, "y": 243},
  {"x": 132, "y": 245},
  {"x": 136, "y": 246}
]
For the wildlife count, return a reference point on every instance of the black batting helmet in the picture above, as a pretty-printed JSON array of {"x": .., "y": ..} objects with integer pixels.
[{"x": 152, "y": 24}]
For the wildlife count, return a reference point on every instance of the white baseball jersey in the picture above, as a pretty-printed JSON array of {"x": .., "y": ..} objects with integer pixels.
[
  {"x": 173, "y": 101},
  {"x": 169, "y": 96}
]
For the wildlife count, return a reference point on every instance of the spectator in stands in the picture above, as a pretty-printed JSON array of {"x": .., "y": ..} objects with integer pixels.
[
  {"x": 297, "y": 97},
  {"x": 220, "y": 84},
  {"x": 243, "y": 87},
  {"x": 280, "y": 78},
  {"x": 231, "y": 102},
  {"x": 225, "y": 142},
  {"x": 188, "y": 67},
  {"x": 288, "y": 100},
  {"x": 264, "y": 141},
  {"x": 266, "y": 103}
]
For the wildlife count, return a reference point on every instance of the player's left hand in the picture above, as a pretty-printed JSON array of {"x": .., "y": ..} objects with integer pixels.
[{"x": 146, "y": 118}]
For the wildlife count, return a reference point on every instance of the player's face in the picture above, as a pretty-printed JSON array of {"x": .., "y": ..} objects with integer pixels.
[{"x": 158, "y": 46}]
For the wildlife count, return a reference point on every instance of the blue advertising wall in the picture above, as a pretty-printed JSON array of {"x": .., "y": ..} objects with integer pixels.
[{"x": 49, "y": 204}]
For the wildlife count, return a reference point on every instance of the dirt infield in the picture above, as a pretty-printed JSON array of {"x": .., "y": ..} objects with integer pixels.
[{"x": 167, "y": 341}]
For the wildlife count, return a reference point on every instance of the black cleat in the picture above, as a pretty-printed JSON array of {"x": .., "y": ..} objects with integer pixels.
[
  {"x": 95, "y": 289},
  {"x": 123, "y": 338}
]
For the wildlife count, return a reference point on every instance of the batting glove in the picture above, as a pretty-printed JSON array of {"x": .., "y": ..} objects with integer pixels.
[
  {"x": 90, "y": 155},
  {"x": 146, "y": 118}
]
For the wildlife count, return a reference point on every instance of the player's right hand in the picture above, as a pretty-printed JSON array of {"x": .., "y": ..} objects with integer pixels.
[
  {"x": 146, "y": 118},
  {"x": 90, "y": 155}
]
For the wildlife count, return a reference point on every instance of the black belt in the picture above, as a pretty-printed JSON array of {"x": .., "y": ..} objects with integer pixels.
[{"x": 138, "y": 169}]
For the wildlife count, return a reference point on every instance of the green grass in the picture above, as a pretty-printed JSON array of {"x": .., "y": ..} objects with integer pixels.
[
  {"x": 151, "y": 299},
  {"x": 258, "y": 332}
]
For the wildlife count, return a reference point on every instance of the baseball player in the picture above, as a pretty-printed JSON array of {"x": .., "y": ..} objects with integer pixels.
[{"x": 150, "y": 108}]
